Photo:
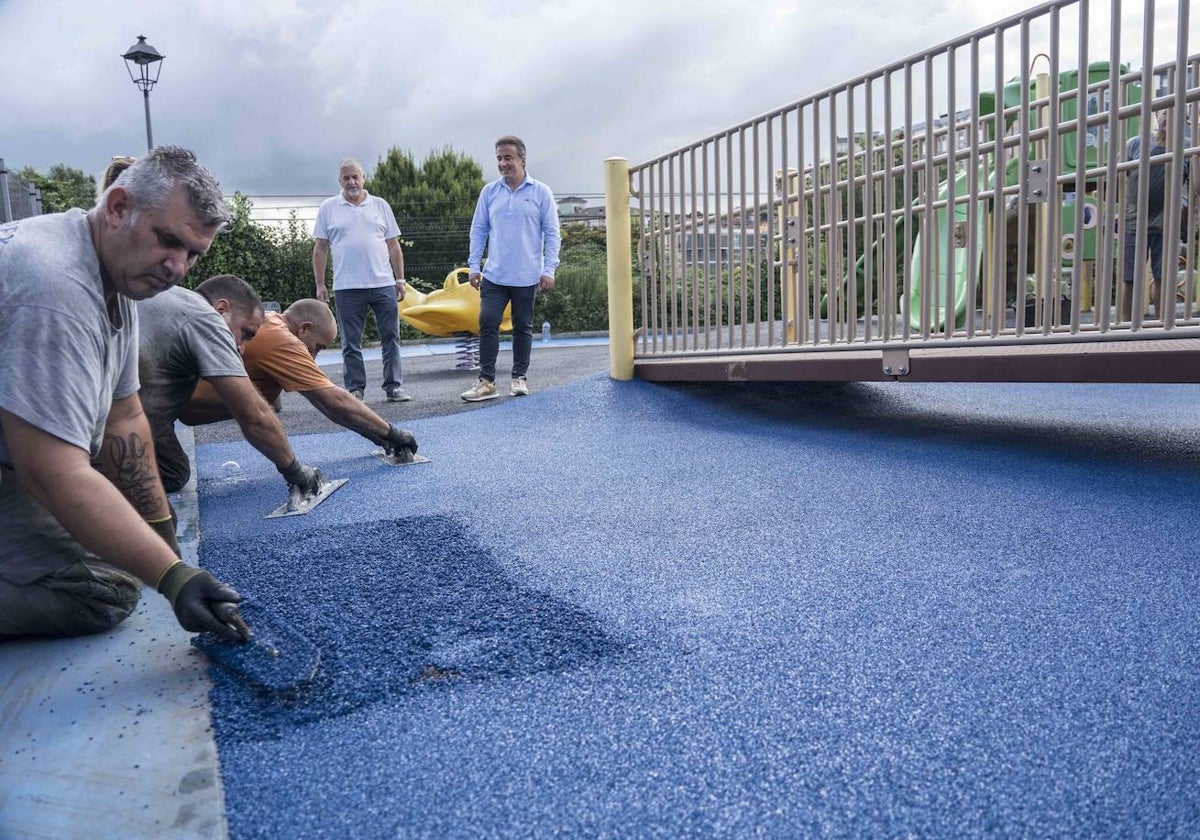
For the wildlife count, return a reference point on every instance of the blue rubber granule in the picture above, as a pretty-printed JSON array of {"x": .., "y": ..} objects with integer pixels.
[
  {"x": 400, "y": 606},
  {"x": 628, "y": 610},
  {"x": 276, "y": 657}
]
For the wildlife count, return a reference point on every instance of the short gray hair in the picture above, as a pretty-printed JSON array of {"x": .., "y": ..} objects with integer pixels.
[
  {"x": 151, "y": 179},
  {"x": 349, "y": 161}
]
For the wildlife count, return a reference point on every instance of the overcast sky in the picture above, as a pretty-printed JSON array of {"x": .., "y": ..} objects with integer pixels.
[{"x": 271, "y": 93}]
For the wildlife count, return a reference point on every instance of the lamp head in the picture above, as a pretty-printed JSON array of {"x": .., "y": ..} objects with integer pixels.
[{"x": 148, "y": 62}]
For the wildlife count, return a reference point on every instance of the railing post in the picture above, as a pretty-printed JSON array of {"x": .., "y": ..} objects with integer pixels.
[
  {"x": 1042, "y": 247},
  {"x": 5, "y": 201},
  {"x": 620, "y": 268}
]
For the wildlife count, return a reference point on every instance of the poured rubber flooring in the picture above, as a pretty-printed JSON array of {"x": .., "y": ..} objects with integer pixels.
[{"x": 627, "y": 610}]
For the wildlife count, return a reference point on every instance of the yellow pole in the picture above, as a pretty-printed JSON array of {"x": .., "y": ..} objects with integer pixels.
[
  {"x": 1087, "y": 283},
  {"x": 790, "y": 249},
  {"x": 620, "y": 269}
]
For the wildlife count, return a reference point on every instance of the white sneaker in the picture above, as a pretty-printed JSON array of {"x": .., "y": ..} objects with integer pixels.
[
  {"x": 480, "y": 391},
  {"x": 520, "y": 388}
]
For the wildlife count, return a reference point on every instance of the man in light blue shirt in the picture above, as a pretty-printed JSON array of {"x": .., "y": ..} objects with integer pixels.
[{"x": 518, "y": 220}]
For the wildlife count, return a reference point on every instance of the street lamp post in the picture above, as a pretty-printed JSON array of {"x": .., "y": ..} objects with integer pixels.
[{"x": 148, "y": 62}]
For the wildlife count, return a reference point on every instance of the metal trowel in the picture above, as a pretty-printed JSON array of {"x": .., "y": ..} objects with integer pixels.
[
  {"x": 298, "y": 504},
  {"x": 276, "y": 657},
  {"x": 404, "y": 459}
]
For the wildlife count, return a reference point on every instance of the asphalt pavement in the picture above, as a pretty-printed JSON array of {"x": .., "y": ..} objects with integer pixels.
[{"x": 434, "y": 383}]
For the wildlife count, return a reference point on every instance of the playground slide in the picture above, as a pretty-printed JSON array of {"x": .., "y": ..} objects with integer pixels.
[
  {"x": 860, "y": 273},
  {"x": 939, "y": 262},
  {"x": 450, "y": 310}
]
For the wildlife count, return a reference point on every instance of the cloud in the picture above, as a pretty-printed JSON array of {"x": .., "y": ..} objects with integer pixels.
[{"x": 272, "y": 93}]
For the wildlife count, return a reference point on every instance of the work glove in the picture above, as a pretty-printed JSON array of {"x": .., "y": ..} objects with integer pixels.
[
  {"x": 399, "y": 443},
  {"x": 165, "y": 528},
  {"x": 306, "y": 479},
  {"x": 202, "y": 603}
]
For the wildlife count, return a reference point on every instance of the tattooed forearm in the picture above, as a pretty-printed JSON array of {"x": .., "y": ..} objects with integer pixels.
[{"x": 130, "y": 466}]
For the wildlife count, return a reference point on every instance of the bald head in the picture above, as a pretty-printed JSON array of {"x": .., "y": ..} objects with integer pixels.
[{"x": 311, "y": 321}]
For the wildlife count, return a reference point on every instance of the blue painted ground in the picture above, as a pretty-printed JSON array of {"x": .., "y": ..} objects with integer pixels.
[{"x": 626, "y": 610}]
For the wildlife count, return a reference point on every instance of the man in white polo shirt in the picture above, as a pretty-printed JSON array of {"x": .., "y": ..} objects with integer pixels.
[{"x": 368, "y": 273}]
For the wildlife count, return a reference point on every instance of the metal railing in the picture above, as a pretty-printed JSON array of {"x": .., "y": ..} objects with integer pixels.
[
  {"x": 977, "y": 193},
  {"x": 17, "y": 199}
]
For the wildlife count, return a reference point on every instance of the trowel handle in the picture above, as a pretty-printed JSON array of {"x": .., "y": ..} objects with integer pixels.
[{"x": 295, "y": 497}]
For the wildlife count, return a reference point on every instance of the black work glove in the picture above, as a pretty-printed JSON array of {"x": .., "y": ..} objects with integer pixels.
[
  {"x": 307, "y": 479},
  {"x": 201, "y": 602},
  {"x": 400, "y": 443},
  {"x": 165, "y": 528}
]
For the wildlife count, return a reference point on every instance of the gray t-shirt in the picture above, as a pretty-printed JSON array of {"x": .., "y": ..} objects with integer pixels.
[
  {"x": 182, "y": 339},
  {"x": 1157, "y": 179},
  {"x": 64, "y": 358},
  {"x": 1156, "y": 206}
]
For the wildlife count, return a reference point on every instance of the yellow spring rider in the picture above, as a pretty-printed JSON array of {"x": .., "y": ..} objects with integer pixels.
[{"x": 451, "y": 310}]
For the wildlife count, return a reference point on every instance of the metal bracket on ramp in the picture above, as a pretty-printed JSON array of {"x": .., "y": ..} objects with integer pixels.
[
  {"x": 895, "y": 363},
  {"x": 1037, "y": 182}
]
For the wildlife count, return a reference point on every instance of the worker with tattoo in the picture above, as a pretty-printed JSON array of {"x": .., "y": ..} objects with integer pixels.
[{"x": 78, "y": 539}]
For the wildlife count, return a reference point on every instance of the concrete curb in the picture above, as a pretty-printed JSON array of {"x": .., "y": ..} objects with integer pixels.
[{"x": 110, "y": 735}]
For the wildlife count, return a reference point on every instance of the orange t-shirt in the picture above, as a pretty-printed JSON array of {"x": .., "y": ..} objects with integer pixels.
[{"x": 275, "y": 360}]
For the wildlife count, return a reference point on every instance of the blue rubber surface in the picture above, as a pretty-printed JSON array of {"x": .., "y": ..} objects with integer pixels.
[
  {"x": 277, "y": 657},
  {"x": 627, "y": 610}
]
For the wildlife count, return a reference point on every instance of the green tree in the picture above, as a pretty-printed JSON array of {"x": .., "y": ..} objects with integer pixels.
[
  {"x": 62, "y": 187},
  {"x": 433, "y": 203},
  {"x": 293, "y": 261},
  {"x": 579, "y": 300},
  {"x": 243, "y": 248},
  {"x": 575, "y": 234}
]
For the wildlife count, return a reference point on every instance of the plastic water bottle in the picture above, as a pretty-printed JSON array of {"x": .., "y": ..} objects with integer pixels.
[{"x": 545, "y": 330}]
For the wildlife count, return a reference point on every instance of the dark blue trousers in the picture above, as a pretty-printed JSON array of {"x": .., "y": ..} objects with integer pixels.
[
  {"x": 492, "y": 300},
  {"x": 352, "y": 306}
]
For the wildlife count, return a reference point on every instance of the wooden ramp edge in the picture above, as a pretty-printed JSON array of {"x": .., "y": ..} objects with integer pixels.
[{"x": 1131, "y": 361}]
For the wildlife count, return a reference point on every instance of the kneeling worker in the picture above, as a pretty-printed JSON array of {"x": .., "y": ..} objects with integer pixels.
[
  {"x": 77, "y": 543},
  {"x": 187, "y": 336},
  {"x": 281, "y": 357}
]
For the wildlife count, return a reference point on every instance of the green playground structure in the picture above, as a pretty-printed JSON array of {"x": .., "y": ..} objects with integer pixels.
[
  {"x": 950, "y": 263},
  {"x": 943, "y": 234},
  {"x": 964, "y": 269}
]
